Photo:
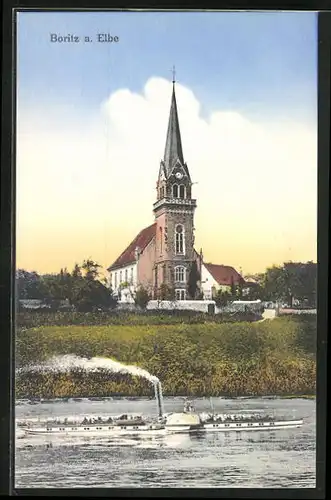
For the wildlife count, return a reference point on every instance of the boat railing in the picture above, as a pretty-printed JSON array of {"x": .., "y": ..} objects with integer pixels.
[{"x": 239, "y": 418}]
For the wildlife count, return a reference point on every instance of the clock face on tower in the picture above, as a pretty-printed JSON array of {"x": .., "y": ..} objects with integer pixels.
[{"x": 179, "y": 175}]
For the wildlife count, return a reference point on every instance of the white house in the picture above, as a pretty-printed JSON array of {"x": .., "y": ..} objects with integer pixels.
[
  {"x": 123, "y": 282},
  {"x": 216, "y": 277}
]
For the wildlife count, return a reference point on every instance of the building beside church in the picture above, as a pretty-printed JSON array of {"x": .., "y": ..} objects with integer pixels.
[{"x": 163, "y": 253}]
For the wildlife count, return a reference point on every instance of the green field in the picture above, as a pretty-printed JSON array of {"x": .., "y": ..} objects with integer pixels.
[{"x": 199, "y": 359}]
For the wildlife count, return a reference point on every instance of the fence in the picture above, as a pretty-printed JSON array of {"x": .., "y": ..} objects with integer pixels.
[{"x": 207, "y": 306}]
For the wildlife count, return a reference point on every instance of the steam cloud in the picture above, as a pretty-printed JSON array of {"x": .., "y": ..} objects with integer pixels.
[{"x": 60, "y": 364}]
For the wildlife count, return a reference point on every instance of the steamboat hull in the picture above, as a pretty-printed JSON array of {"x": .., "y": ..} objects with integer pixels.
[
  {"x": 184, "y": 429},
  {"x": 113, "y": 432},
  {"x": 252, "y": 426},
  {"x": 117, "y": 431}
]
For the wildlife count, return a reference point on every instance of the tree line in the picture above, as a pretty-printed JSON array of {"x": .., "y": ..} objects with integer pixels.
[
  {"x": 291, "y": 283},
  {"x": 84, "y": 289},
  {"x": 80, "y": 288}
]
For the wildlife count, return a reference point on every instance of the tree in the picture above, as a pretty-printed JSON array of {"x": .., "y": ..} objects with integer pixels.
[
  {"x": 91, "y": 269},
  {"x": 233, "y": 289},
  {"x": 309, "y": 283},
  {"x": 193, "y": 279},
  {"x": 301, "y": 281},
  {"x": 274, "y": 284},
  {"x": 141, "y": 297},
  {"x": 240, "y": 289},
  {"x": 29, "y": 285},
  {"x": 59, "y": 286},
  {"x": 76, "y": 272},
  {"x": 222, "y": 298},
  {"x": 291, "y": 280},
  {"x": 87, "y": 292},
  {"x": 254, "y": 292},
  {"x": 166, "y": 292},
  {"x": 77, "y": 282},
  {"x": 92, "y": 296}
]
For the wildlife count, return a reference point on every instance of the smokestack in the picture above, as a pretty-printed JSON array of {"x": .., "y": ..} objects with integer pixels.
[{"x": 159, "y": 398}]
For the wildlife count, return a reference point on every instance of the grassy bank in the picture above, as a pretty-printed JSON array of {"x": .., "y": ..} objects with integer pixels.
[
  {"x": 65, "y": 318},
  {"x": 208, "y": 358},
  {"x": 302, "y": 396}
]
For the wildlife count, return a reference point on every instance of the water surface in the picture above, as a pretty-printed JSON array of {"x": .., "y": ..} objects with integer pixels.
[{"x": 254, "y": 459}]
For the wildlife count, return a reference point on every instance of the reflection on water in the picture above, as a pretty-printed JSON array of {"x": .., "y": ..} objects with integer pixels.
[{"x": 274, "y": 459}]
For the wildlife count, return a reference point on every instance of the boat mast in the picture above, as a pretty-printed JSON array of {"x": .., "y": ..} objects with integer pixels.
[
  {"x": 211, "y": 405},
  {"x": 159, "y": 398}
]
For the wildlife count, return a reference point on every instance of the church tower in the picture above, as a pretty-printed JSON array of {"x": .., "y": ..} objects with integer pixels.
[{"x": 174, "y": 214}]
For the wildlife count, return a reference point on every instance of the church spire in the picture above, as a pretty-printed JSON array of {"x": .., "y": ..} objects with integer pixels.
[{"x": 173, "y": 149}]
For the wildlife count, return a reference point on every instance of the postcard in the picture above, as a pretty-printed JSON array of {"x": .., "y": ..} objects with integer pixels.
[{"x": 166, "y": 249}]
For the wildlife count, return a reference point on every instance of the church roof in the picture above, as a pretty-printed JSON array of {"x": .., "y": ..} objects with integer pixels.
[
  {"x": 140, "y": 241},
  {"x": 224, "y": 275},
  {"x": 173, "y": 148}
]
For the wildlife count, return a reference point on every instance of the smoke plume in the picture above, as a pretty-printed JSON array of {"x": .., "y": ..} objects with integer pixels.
[{"x": 60, "y": 364}]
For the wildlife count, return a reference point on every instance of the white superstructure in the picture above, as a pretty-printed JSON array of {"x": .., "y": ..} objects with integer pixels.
[{"x": 187, "y": 421}]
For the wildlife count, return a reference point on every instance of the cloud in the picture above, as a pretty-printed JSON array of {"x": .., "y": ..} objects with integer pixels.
[{"x": 88, "y": 180}]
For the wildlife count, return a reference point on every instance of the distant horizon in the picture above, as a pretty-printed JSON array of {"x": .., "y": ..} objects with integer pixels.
[{"x": 91, "y": 130}]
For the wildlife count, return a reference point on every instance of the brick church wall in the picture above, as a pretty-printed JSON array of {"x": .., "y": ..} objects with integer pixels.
[{"x": 145, "y": 266}]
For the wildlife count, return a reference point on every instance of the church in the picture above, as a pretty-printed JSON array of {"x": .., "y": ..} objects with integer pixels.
[{"x": 163, "y": 253}]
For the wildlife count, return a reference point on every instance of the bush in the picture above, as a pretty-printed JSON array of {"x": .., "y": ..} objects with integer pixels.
[{"x": 142, "y": 298}]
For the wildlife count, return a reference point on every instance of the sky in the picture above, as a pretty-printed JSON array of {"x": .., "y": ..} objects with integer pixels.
[{"x": 91, "y": 128}]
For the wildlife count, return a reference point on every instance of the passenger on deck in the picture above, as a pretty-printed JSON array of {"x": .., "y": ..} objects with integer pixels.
[{"x": 188, "y": 407}]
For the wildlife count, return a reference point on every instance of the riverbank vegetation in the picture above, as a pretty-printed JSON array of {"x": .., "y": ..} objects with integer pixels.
[
  {"x": 209, "y": 358},
  {"x": 35, "y": 319}
]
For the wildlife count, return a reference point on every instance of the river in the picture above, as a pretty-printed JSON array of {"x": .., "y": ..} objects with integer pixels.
[{"x": 255, "y": 459}]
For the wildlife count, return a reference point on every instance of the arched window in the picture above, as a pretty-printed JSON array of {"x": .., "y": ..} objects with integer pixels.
[
  {"x": 180, "y": 274},
  {"x": 126, "y": 275},
  {"x": 175, "y": 191},
  {"x": 115, "y": 280},
  {"x": 179, "y": 239},
  {"x": 120, "y": 277},
  {"x": 182, "y": 191}
]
